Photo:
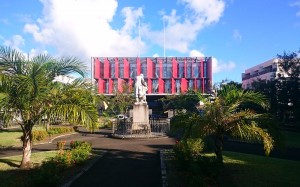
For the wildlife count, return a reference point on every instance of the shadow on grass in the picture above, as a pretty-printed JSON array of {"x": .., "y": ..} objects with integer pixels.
[
  {"x": 11, "y": 130},
  {"x": 9, "y": 162}
]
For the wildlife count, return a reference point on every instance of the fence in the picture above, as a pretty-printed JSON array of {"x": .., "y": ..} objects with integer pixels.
[{"x": 157, "y": 127}]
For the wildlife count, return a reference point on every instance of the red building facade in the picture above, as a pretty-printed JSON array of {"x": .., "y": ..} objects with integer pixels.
[{"x": 172, "y": 75}]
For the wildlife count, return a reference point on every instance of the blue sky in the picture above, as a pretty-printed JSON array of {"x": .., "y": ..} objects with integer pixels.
[{"x": 237, "y": 33}]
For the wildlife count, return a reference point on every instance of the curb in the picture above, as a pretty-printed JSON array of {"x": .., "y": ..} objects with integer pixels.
[
  {"x": 84, "y": 169},
  {"x": 62, "y": 136},
  {"x": 163, "y": 169}
]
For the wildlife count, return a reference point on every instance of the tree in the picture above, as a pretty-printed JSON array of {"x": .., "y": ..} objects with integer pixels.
[
  {"x": 233, "y": 112},
  {"x": 28, "y": 93},
  {"x": 230, "y": 114},
  {"x": 268, "y": 88},
  {"x": 288, "y": 83},
  {"x": 121, "y": 101}
]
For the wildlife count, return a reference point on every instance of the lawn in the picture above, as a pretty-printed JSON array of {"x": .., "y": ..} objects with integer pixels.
[
  {"x": 252, "y": 170},
  {"x": 12, "y": 162},
  {"x": 292, "y": 139},
  {"x": 11, "y": 175},
  {"x": 244, "y": 170},
  {"x": 10, "y": 138}
]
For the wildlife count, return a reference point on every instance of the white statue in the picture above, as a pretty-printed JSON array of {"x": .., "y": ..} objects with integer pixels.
[{"x": 140, "y": 89}]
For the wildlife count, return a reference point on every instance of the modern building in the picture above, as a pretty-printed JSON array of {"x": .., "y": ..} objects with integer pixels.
[
  {"x": 267, "y": 71},
  {"x": 164, "y": 76}
]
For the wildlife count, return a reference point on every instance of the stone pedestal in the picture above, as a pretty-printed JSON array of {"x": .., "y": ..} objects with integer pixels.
[{"x": 140, "y": 117}]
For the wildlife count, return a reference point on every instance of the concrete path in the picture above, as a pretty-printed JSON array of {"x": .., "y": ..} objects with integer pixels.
[{"x": 127, "y": 162}]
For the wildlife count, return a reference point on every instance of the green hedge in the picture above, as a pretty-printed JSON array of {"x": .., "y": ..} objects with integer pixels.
[{"x": 40, "y": 135}]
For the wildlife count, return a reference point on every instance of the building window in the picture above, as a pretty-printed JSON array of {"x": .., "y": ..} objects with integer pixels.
[
  {"x": 167, "y": 68},
  {"x": 204, "y": 69},
  {"x": 121, "y": 70},
  {"x": 181, "y": 69},
  {"x": 178, "y": 86},
  {"x": 154, "y": 86},
  {"x": 106, "y": 86},
  {"x": 199, "y": 84},
  {"x": 189, "y": 70},
  {"x": 167, "y": 86},
  {"x": 144, "y": 69},
  {"x": 112, "y": 70},
  {"x": 115, "y": 86},
  {"x": 132, "y": 71},
  {"x": 196, "y": 70},
  {"x": 191, "y": 84}
]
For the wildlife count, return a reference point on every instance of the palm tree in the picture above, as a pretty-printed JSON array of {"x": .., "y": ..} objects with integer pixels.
[
  {"x": 28, "y": 93},
  {"x": 232, "y": 114}
]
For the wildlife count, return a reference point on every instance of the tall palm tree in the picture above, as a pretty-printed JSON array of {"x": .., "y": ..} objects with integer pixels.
[
  {"x": 234, "y": 113},
  {"x": 28, "y": 93}
]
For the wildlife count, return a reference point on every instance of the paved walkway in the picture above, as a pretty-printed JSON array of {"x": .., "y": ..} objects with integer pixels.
[
  {"x": 130, "y": 163},
  {"x": 134, "y": 162}
]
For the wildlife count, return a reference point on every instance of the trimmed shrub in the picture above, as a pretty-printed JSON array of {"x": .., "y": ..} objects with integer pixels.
[
  {"x": 60, "y": 130},
  {"x": 39, "y": 135},
  {"x": 189, "y": 148}
]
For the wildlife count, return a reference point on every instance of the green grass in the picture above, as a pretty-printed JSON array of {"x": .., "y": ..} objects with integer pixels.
[
  {"x": 13, "y": 162},
  {"x": 243, "y": 170},
  {"x": 292, "y": 139},
  {"x": 252, "y": 170},
  {"x": 10, "y": 138}
]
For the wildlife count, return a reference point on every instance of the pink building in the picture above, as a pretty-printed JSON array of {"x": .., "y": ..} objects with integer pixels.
[{"x": 172, "y": 75}]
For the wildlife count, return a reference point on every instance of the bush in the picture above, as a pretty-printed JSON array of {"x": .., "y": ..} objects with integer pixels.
[
  {"x": 79, "y": 153},
  {"x": 189, "y": 148},
  {"x": 60, "y": 130},
  {"x": 48, "y": 174},
  {"x": 39, "y": 135}
]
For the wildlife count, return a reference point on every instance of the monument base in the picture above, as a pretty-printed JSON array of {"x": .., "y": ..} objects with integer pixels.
[{"x": 140, "y": 117}]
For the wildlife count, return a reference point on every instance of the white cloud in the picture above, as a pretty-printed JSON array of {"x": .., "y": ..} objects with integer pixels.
[
  {"x": 181, "y": 31},
  {"x": 82, "y": 28},
  {"x": 155, "y": 55},
  {"x": 296, "y": 4},
  {"x": 16, "y": 42},
  {"x": 237, "y": 35},
  {"x": 196, "y": 53},
  {"x": 222, "y": 66},
  {"x": 217, "y": 66}
]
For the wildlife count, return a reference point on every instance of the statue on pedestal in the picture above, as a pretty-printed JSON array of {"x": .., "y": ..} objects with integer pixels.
[{"x": 140, "y": 89}]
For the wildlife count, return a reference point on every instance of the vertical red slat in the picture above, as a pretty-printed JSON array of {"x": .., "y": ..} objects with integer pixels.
[
  {"x": 126, "y": 68},
  {"x": 138, "y": 66},
  {"x": 149, "y": 86},
  {"x": 117, "y": 67},
  {"x": 96, "y": 68},
  {"x": 161, "y": 85},
  {"x": 160, "y": 68},
  {"x": 100, "y": 86},
  {"x": 183, "y": 85},
  {"x": 110, "y": 86},
  {"x": 106, "y": 69},
  {"x": 175, "y": 68},
  {"x": 149, "y": 68},
  {"x": 173, "y": 86}
]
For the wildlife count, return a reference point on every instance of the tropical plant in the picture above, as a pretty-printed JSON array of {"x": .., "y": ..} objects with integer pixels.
[
  {"x": 29, "y": 93},
  {"x": 234, "y": 113},
  {"x": 120, "y": 102}
]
